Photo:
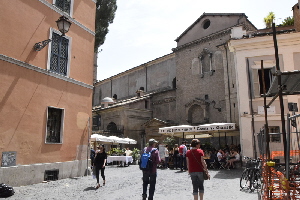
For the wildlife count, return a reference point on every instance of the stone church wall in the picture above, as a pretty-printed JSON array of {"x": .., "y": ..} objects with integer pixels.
[{"x": 152, "y": 76}]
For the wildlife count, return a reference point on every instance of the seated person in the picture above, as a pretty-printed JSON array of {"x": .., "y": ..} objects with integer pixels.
[
  {"x": 128, "y": 152},
  {"x": 221, "y": 156},
  {"x": 233, "y": 158}
]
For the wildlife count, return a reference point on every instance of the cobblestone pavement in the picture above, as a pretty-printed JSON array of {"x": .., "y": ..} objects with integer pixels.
[{"x": 124, "y": 183}]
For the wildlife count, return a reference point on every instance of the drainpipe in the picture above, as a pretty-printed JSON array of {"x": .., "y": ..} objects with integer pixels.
[
  {"x": 146, "y": 79},
  {"x": 111, "y": 87}
]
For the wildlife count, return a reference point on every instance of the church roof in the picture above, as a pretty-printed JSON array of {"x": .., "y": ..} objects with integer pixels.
[{"x": 208, "y": 14}]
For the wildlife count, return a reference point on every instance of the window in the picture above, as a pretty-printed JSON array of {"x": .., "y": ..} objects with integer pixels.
[
  {"x": 64, "y": 5},
  {"x": 267, "y": 78},
  {"x": 206, "y": 62},
  {"x": 206, "y": 24},
  {"x": 258, "y": 81},
  {"x": 112, "y": 126},
  {"x": 59, "y": 54},
  {"x": 275, "y": 135},
  {"x": 54, "y": 125},
  {"x": 96, "y": 122},
  {"x": 174, "y": 83}
]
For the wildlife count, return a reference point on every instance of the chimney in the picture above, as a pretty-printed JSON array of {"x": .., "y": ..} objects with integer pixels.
[
  {"x": 296, "y": 15},
  {"x": 140, "y": 92}
]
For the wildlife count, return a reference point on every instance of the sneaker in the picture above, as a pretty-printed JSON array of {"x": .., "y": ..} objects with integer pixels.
[{"x": 144, "y": 196}]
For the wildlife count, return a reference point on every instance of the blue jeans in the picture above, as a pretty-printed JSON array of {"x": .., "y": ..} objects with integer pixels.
[
  {"x": 183, "y": 162},
  {"x": 197, "y": 181},
  {"x": 149, "y": 178},
  {"x": 166, "y": 162}
]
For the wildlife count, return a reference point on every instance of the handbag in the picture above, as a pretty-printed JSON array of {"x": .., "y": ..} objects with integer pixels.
[{"x": 205, "y": 173}]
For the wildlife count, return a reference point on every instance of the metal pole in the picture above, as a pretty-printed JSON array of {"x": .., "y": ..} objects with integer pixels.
[
  {"x": 88, "y": 149},
  {"x": 265, "y": 110},
  {"x": 251, "y": 108},
  {"x": 287, "y": 161},
  {"x": 280, "y": 91}
]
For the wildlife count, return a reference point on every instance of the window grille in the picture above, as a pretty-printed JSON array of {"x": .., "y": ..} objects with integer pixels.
[
  {"x": 274, "y": 137},
  {"x": 54, "y": 125},
  {"x": 64, "y": 5},
  {"x": 51, "y": 175},
  {"x": 59, "y": 54}
]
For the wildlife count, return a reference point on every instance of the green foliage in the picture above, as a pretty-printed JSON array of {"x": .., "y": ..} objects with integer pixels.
[
  {"x": 136, "y": 154},
  {"x": 105, "y": 14},
  {"x": 269, "y": 19},
  {"x": 170, "y": 141},
  {"x": 116, "y": 151},
  {"x": 288, "y": 21}
]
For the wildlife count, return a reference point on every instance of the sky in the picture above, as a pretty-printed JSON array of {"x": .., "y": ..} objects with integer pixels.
[{"x": 144, "y": 30}]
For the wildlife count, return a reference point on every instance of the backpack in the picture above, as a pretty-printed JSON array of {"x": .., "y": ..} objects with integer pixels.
[
  {"x": 181, "y": 147},
  {"x": 6, "y": 191},
  {"x": 146, "y": 160}
]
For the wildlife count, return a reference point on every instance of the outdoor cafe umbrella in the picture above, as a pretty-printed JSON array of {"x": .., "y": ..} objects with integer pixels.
[
  {"x": 101, "y": 138},
  {"x": 177, "y": 131},
  {"x": 130, "y": 141},
  {"x": 211, "y": 129}
]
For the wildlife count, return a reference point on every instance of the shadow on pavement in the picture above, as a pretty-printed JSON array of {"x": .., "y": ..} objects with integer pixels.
[
  {"x": 229, "y": 174},
  {"x": 89, "y": 188}
]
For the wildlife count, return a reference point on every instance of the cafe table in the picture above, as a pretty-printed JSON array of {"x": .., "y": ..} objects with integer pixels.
[{"x": 124, "y": 159}]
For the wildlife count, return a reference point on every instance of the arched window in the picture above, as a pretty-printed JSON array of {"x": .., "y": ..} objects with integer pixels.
[
  {"x": 112, "y": 127},
  {"x": 205, "y": 62},
  {"x": 196, "y": 114}
]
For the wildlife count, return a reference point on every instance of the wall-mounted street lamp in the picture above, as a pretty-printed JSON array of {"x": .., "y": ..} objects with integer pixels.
[{"x": 63, "y": 25}]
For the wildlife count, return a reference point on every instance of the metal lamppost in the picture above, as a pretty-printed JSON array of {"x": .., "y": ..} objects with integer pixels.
[{"x": 63, "y": 25}]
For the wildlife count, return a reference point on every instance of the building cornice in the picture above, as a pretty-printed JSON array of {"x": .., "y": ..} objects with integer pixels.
[
  {"x": 148, "y": 64},
  {"x": 211, "y": 37},
  {"x": 204, "y": 39},
  {"x": 53, "y": 7},
  {"x": 265, "y": 41},
  {"x": 43, "y": 71}
]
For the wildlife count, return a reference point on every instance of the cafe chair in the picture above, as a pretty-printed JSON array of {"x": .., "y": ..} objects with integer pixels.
[{"x": 222, "y": 164}]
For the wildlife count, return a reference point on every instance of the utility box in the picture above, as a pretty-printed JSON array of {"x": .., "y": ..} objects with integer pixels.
[{"x": 9, "y": 158}]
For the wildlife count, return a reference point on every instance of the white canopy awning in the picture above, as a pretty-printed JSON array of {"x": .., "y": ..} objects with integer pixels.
[
  {"x": 209, "y": 129},
  {"x": 112, "y": 139}
]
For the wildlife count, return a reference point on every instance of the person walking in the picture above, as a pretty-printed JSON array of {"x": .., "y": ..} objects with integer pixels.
[
  {"x": 92, "y": 157},
  {"x": 196, "y": 167},
  {"x": 99, "y": 164},
  {"x": 166, "y": 157},
  {"x": 182, "y": 153},
  {"x": 176, "y": 156},
  {"x": 149, "y": 176}
]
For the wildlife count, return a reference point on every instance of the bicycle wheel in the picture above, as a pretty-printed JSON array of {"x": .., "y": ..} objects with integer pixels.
[
  {"x": 261, "y": 191},
  {"x": 244, "y": 181},
  {"x": 256, "y": 179}
]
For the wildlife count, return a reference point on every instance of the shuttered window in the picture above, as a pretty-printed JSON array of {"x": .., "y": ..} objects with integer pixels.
[
  {"x": 59, "y": 54},
  {"x": 64, "y": 5}
]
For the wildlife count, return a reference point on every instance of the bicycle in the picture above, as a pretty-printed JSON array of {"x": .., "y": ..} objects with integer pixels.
[{"x": 251, "y": 176}]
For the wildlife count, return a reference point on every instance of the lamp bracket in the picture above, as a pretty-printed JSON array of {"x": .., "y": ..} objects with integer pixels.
[{"x": 40, "y": 45}]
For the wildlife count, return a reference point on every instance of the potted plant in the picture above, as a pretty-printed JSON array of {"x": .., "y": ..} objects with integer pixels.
[{"x": 135, "y": 155}]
